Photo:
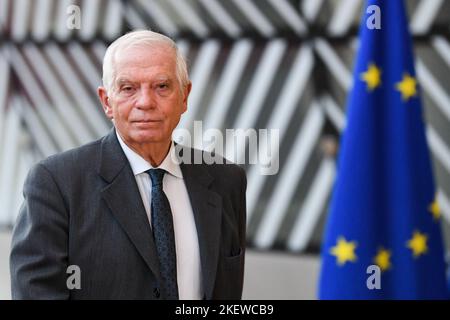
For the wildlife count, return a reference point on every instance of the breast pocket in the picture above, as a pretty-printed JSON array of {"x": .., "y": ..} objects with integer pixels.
[
  {"x": 230, "y": 277},
  {"x": 235, "y": 257},
  {"x": 230, "y": 236}
]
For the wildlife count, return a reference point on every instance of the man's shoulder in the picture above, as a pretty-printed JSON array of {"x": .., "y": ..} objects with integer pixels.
[
  {"x": 75, "y": 157},
  {"x": 216, "y": 164}
]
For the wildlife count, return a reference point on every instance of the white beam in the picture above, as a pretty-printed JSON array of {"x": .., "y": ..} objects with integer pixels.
[
  {"x": 444, "y": 204},
  {"x": 4, "y": 89},
  {"x": 292, "y": 172},
  {"x": 255, "y": 17},
  {"x": 99, "y": 49},
  {"x": 19, "y": 23},
  {"x": 290, "y": 15},
  {"x": 311, "y": 8},
  {"x": 113, "y": 19},
  {"x": 162, "y": 20},
  {"x": 4, "y": 10},
  {"x": 183, "y": 47},
  {"x": 35, "y": 126},
  {"x": 227, "y": 84},
  {"x": 312, "y": 207},
  {"x": 193, "y": 21},
  {"x": 90, "y": 10},
  {"x": 334, "y": 112},
  {"x": 87, "y": 106},
  {"x": 42, "y": 19},
  {"x": 343, "y": 17},
  {"x": 222, "y": 18},
  {"x": 283, "y": 110},
  {"x": 24, "y": 164},
  {"x": 442, "y": 47},
  {"x": 256, "y": 94},
  {"x": 133, "y": 18},
  {"x": 42, "y": 105},
  {"x": 8, "y": 165},
  {"x": 424, "y": 15},
  {"x": 61, "y": 31},
  {"x": 69, "y": 116},
  {"x": 439, "y": 147},
  {"x": 433, "y": 88},
  {"x": 338, "y": 69},
  {"x": 200, "y": 77},
  {"x": 84, "y": 64}
]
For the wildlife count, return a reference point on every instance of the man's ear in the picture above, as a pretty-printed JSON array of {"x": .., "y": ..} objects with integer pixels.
[
  {"x": 104, "y": 99},
  {"x": 186, "y": 92}
]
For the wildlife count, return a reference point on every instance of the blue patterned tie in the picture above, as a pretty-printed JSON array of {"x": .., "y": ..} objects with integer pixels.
[{"x": 163, "y": 234}]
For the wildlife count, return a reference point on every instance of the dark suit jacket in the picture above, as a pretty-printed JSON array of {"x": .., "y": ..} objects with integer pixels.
[{"x": 82, "y": 207}]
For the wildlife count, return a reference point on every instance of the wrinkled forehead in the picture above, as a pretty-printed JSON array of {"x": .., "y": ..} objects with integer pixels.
[{"x": 144, "y": 54}]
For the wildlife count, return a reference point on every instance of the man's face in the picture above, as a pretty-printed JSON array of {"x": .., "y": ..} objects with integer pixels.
[{"x": 146, "y": 101}]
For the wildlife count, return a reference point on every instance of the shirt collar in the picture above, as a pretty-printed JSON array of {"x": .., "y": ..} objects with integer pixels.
[{"x": 140, "y": 165}]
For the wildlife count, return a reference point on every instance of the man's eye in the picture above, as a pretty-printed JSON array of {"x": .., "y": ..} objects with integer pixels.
[
  {"x": 127, "y": 88},
  {"x": 163, "y": 86}
]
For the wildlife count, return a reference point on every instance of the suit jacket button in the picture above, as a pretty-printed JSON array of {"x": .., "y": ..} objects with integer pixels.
[{"x": 156, "y": 292}]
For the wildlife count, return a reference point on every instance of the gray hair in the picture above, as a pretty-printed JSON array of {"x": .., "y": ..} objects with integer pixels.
[{"x": 135, "y": 38}]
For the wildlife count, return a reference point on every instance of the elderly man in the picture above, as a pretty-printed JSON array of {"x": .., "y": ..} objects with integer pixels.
[{"x": 121, "y": 213}]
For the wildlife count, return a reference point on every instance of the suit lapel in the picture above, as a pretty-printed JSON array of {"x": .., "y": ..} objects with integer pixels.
[
  {"x": 207, "y": 208},
  {"x": 123, "y": 199}
]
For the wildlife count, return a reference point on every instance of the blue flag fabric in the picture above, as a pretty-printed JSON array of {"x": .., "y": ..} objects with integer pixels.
[{"x": 383, "y": 211}]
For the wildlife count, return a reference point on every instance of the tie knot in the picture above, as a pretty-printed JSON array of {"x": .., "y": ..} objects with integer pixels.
[{"x": 156, "y": 175}]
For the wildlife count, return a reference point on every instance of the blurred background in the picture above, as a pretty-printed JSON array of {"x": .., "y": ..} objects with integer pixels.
[{"x": 281, "y": 64}]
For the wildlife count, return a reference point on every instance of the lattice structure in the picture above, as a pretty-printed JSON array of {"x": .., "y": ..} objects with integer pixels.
[{"x": 253, "y": 63}]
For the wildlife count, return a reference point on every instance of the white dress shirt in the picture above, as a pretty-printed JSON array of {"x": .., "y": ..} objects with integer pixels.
[{"x": 186, "y": 240}]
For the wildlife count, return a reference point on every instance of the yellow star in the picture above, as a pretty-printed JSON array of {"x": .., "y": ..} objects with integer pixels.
[
  {"x": 382, "y": 259},
  {"x": 372, "y": 77},
  {"x": 407, "y": 87},
  {"x": 435, "y": 209},
  {"x": 344, "y": 251},
  {"x": 418, "y": 244}
]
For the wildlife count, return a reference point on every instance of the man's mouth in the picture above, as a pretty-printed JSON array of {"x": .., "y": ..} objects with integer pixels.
[{"x": 147, "y": 121}]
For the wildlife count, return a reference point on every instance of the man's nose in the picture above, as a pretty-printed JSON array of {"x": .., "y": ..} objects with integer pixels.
[{"x": 146, "y": 99}]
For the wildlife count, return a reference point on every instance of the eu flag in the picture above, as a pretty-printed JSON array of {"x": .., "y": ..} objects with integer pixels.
[{"x": 383, "y": 237}]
